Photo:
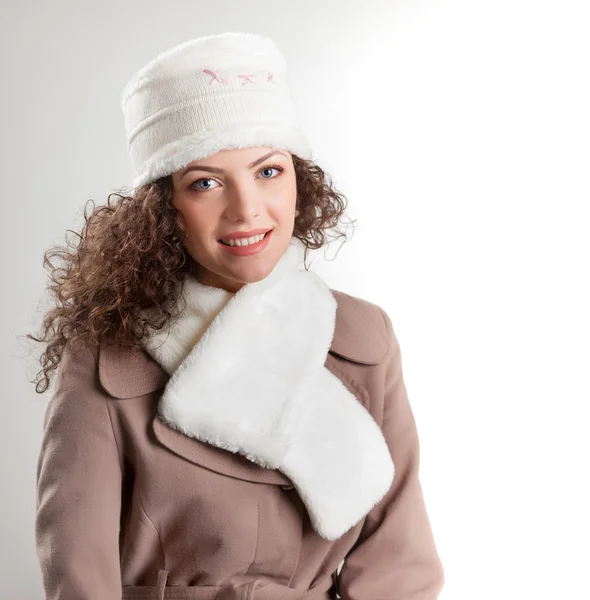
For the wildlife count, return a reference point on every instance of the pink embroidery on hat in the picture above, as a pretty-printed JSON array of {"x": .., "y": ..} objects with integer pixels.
[
  {"x": 247, "y": 78},
  {"x": 215, "y": 77},
  {"x": 270, "y": 78}
]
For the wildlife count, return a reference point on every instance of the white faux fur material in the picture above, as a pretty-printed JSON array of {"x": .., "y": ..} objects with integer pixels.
[{"x": 247, "y": 375}]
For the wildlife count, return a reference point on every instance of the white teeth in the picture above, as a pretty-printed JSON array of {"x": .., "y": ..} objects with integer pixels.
[{"x": 244, "y": 241}]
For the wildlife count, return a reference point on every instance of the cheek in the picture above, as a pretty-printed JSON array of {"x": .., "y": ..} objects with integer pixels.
[
  {"x": 285, "y": 205},
  {"x": 198, "y": 220}
]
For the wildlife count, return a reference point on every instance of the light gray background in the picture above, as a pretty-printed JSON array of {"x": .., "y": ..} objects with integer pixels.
[{"x": 459, "y": 132}]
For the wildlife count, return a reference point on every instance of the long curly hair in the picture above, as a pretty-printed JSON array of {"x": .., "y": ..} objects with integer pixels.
[{"x": 130, "y": 257}]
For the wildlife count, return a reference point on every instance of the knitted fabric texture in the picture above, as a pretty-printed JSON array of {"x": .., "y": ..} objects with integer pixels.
[{"x": 206, "y": 95}]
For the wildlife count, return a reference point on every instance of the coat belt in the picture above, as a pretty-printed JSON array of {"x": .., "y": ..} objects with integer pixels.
[{"x": 252, "y": 590}]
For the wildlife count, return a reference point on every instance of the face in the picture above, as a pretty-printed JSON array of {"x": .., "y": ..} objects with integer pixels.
[{"x": 234, "y": 192}]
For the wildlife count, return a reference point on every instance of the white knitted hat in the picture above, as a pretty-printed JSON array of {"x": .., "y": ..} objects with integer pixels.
[{"x": 208, "y": 94}]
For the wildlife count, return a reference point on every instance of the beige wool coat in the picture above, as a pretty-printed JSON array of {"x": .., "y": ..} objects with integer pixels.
[{"x": 130, "y": 508}]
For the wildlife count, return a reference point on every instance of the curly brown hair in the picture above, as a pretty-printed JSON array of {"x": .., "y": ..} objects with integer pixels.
[{"x": 130, "y": 258}]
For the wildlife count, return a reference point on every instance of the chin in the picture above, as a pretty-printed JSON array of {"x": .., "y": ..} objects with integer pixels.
[{"x": 254, "y": 273}]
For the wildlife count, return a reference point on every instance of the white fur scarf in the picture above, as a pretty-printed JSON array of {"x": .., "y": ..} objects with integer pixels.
[{"x": 247, "y": 375}]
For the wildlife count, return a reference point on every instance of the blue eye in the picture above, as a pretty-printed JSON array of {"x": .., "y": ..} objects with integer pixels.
[
  {"x": 194, "y": 186},
  {"x": 275, "y": 167},
  {"x": 200, "y": 189}
]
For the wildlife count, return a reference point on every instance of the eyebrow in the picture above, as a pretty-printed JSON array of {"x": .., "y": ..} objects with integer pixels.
[{"x": 218, "y": 170}]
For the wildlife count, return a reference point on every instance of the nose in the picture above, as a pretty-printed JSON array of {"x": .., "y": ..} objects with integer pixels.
[{"x": 245, "y": 202}]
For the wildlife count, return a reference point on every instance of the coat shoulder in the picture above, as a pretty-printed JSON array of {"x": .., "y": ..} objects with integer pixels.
[{"x": 361, "y": 332}]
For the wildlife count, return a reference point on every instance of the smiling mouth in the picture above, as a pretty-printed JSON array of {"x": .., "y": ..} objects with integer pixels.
[{"x": 265, "y": 235}]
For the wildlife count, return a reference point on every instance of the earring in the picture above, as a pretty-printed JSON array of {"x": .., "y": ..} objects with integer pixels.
[{"x": 296, "y": 213}]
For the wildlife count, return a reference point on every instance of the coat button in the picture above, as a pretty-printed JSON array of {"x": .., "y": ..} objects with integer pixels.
[{"x": 287, "y": 487}]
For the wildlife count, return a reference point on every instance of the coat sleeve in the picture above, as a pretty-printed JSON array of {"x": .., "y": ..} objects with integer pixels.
[
  {"x": 395, "y": 556},
  {"x": 79, "y": 480}
]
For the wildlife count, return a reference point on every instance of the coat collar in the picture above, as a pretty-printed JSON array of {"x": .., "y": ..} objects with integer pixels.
[
  {"x": 256, "y": 383},
  {"x": 130, "y": 372}
]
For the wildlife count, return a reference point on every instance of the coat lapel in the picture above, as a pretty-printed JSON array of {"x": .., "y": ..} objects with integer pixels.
[{"x": 256, "y": 384}]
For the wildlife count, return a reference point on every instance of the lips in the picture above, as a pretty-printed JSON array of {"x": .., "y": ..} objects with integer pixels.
[
  {"x": 248, "y": 249},
  {"x": 237, "y": 238}
]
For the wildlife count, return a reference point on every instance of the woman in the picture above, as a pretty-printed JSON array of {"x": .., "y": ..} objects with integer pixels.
[{"x": 224, "y": 425}]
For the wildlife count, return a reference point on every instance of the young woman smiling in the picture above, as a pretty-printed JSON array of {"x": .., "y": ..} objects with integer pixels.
[{"x": 224, "y": 425}]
